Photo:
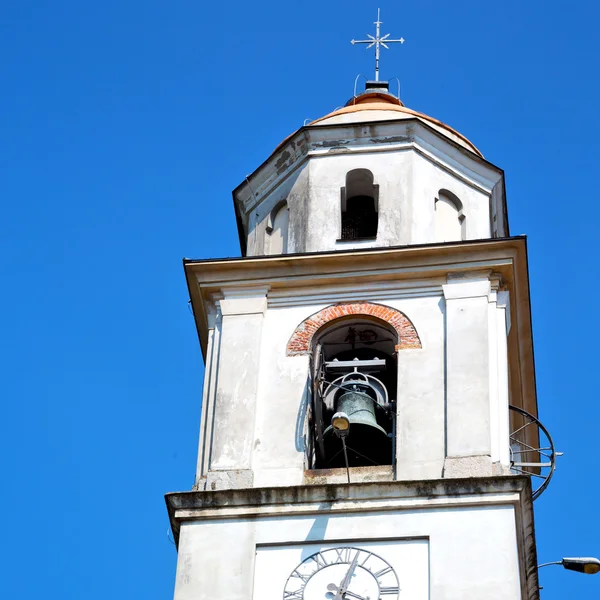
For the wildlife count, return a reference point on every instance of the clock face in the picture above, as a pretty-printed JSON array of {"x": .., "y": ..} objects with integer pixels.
[{"x": 343, "y": 573}]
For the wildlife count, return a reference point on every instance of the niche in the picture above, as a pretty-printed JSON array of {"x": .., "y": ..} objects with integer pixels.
[
  {"x": 277, "y": 229},
  {"x": 449, "y": 218}
]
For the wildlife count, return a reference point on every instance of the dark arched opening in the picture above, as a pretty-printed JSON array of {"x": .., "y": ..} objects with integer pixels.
[
  {"x": 359, "y": 206},
  {"x": 355, "y": 373}
]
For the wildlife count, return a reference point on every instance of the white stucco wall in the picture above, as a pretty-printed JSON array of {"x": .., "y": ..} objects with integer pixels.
[
  {"x": 409, "y": 184},
  {"x": 281, "y": 402},
  {"x": 452, "y": 400},
  {"x": 439, "y": 554}
]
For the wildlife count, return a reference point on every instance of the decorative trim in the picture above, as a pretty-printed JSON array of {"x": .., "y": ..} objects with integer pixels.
[{"x": 301, "y": 340}]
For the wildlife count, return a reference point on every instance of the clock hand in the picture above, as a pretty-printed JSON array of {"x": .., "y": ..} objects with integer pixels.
[
  {"x": 341, "y": 593},
  {"x": 353, "y": 595},
  {"x": 333, "y": 588}
]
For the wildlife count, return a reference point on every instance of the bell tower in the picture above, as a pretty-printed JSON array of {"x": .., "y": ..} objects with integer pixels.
[{"x": 369, "y": 417}]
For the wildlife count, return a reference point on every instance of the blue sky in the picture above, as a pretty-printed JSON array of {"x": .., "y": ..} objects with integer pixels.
[{"x": 125, "y": 126}]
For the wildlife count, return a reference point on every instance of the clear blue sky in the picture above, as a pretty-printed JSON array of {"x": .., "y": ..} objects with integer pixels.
[{"x": 124, "y": 128}]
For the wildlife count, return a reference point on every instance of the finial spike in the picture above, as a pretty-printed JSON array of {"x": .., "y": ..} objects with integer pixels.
[{"x": 377, "y": 41}]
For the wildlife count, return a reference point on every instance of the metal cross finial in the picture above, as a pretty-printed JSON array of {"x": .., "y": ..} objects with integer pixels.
[{"x": 377, "y": 41}]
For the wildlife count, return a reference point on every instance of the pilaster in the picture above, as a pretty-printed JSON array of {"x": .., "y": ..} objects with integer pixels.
[
  {"x": 503, "y": 329},
  {"x": 209, "y": 392},
  {"x": 233, "y": 418},
  {"x": 467, "y": 373}
]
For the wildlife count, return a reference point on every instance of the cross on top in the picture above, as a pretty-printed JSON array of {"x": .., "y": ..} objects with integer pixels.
[{"x": 378, "y": 41}]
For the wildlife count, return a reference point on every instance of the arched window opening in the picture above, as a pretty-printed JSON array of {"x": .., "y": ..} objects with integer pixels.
[
  {"x": 277, "y": 229},
  {"x": 355, "y": 373},
  {"x": 359, "y": 206},
  {"x": 449, "y": 218}
]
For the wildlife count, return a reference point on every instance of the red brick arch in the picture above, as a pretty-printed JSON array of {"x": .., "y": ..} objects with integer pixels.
[{"x": 301, "y": 340}]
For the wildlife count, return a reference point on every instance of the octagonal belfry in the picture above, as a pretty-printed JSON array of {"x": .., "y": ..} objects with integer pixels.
[{"x": 418, "y": 181}]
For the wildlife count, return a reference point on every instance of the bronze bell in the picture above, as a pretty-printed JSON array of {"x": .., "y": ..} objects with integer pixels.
[
  {"x": 359, "y": 407},
  {"x": 365, "y": 435}
]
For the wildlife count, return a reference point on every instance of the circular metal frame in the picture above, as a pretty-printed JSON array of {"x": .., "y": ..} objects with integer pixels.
[
  {"x": 540, "y": 471},
  {"x": 342, "y": 555}
]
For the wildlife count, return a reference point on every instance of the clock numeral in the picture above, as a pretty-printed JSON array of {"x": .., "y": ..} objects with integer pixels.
[
  {"x": 320, "y": 560},
  {"x": 382, "y": 572},
  {"x": 295, "y": 595},
  {"x": 343, "y": 555},
  {"x": 389, "y": 590},
  {"x": 302, "y": 576},
  {"x": 369, "y": 554}
]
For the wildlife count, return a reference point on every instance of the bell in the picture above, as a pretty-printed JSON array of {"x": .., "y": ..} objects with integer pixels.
[
  {"x": 365, "y": 435},
  {"x": 360, "y": 408}
]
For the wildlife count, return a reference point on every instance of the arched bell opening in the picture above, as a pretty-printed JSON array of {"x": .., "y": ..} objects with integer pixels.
[
  {"x": 355, "y": 372},
  {"x": 360, "y": 206}
]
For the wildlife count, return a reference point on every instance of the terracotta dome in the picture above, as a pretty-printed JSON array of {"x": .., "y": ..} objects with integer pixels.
[{"x": 376, "y": 106}]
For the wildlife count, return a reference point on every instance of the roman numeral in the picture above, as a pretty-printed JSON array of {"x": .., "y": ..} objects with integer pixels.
[
  {"x": 389, "y": 590},
  {"x": 343, "y": 555},
  {"x": 302, "y": 576},
  {"x": 296, "y": 595},
  {"x": 320, "y": 560},
  {"x": 382, "y": 572}
]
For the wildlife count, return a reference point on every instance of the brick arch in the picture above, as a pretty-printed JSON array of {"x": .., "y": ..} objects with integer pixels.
[{"x": 301, "y": 340}]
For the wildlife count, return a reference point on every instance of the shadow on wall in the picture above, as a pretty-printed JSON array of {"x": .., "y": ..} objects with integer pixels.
[
  {"x": 300, "y": 436},
  {"x": 317, "y": 531}
]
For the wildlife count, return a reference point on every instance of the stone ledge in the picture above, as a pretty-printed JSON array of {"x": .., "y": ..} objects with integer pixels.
[
  {"x": 458, "y": 467},
  {"x": 311, "y": 499},
  {"x": 234, "y": 479},
  {"x": 357, "y": 475}
]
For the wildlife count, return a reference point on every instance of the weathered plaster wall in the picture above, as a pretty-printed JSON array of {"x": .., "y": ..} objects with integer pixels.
[
  {"x": 408, "y": 184},
  {"x": 452, "y": 415},
  {"x": 279, "y": 447},
  {"x": 293, "y": 189},
  {"x": 452, "y": 559}
]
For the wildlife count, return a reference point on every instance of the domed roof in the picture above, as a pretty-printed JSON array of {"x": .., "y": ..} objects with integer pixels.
[{"x": 377, "y": 106}]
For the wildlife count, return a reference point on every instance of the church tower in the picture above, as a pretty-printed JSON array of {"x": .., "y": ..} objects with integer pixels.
[{"x": 369, "y": 418}]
